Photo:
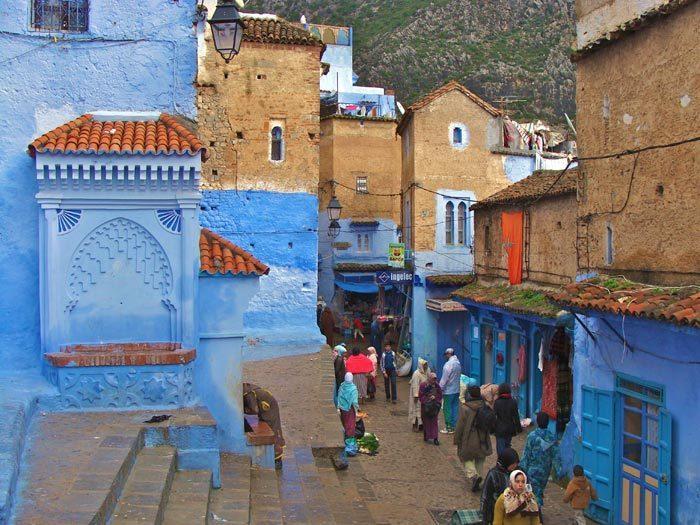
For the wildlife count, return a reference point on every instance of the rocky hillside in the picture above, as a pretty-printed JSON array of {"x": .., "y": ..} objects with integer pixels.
[{"x": 497, "y": 48}]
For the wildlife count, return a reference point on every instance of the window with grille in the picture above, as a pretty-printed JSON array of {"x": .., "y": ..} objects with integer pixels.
[
  {"x": 60, "y": 15},
  {"x": 361, "y": 185},
  {"x": 276, "y": 144},
  {"x": 462, "y": 234},
  {"x": 449, "y": 223}
]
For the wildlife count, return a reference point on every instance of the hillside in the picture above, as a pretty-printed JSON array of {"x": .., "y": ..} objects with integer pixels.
[{"x": 495, "y": 47}]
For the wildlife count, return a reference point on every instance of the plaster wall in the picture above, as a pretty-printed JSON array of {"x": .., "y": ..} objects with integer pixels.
[
  {"x": 239, "y": 103},
  {"x": 352, "y": 148},
  {"x": 223, "y": 301},
  {"x": 130, "y": 59},
  {"x": 597, "y": 362},
  {"x": 280, "y": 229},
  {"x": 552, "y": 241},
  {"x": 634, "y": 93},
  {"x": 340, "y": 76},
  {"x": 595, "y": 18},
  {"x": 436, "y": 163}
]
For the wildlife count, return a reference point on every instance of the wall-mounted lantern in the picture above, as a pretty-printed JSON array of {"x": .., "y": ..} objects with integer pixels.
[{"x": 227, "y": 29}]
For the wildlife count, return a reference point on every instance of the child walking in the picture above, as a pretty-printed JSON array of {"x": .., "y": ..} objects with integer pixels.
[{"x": 579, "y": 493}]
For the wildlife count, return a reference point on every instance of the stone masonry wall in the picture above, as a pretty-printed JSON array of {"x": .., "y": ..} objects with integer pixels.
[
  {"x": 552, "y": 241},
  {"x": 238, "y": 104},
  {"x": 439, "y": 165},
  {"x": 351, "y": 148},
  {"x": 638, "y": 92}
]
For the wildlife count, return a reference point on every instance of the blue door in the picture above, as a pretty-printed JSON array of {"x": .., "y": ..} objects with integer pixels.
[
  {"x": 597, "y": 453},
  {"x": 500, "y": 359},
  {"x": 644, "y": 469},
  {"x": 474, "y": 350}
]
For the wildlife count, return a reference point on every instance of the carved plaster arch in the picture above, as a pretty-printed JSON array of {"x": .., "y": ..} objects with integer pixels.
[{"x": 105, "y": 243}]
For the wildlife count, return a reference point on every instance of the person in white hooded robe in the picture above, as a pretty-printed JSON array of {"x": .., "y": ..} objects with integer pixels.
[{"x": 418, "y": 377}]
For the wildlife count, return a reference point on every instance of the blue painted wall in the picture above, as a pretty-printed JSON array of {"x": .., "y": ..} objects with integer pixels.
[
  {"x": 218, "y": 371},
  {"x": 595, "y": 365},
  {"x": 137, "y": 55},
  {"x": 280, "y": 229}
]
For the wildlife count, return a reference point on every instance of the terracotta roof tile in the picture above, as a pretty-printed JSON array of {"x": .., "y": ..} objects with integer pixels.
[
  {"x": 275, "y": 30},
  {"x": 517, "y": 299},
  {"x": 448, "y": 279},
  {"x": 218, "y": 255},
  {"x": 85, "y": 135},
  {"x": 362, "y": 267},
  {"x": 623, "y": 297},
  {"x": 533, "y": 187},
  {"x": 442, "y": 90}
]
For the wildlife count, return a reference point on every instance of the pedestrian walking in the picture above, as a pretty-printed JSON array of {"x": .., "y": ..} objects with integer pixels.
[
  {"x": 579, "y": 493},
  {"x": 507, "y": 417},
  {"x": 348, "y": 406},
  {"x": 541, "y": 456},
  {"x": 372, "y": 378},
  {"x": 339, "y": 369},
  {"x": 449, "y": 383},
  {"x": 388, "y": 366},
  {"x": 357, "y": 328},
  {"x": 517, "y": 505},
  {"x": 419, "y": 376},
  {"x": 496, "y": 482},
  {"x": 328, "y": 326},
  {"x": 430, "y": 397},
  {"x": 360, "y": 366},
  {"x": 472, "y": 436}
]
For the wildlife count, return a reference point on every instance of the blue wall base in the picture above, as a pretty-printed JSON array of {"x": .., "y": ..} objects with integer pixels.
[
  {"x": 262, "y": 456},
  {"x": 123, "y": 387}
]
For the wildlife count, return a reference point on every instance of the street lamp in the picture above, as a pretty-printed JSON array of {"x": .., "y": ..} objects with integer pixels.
[
  {"x": 334, "y": 229},
  {"x": 334, "y": 209},
  {"x": 227, "y": 29}
]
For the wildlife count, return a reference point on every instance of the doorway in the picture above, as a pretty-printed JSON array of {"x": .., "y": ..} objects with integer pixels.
[{"x": 487, "y": 337}]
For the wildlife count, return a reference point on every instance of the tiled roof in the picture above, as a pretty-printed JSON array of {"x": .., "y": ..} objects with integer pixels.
[
  {"x": 86, "y": 135},
  {"x": 533, "y": 187},
  {"x": 514, "y": 298},
  {"x": 448, "y": 279},
  {"x": 362, "y": 267},
  {"x": 620, "y": 296},
  {"x": 270, "y": 29},
  {"x": 434, "y": 95},
  {"x": 218, "y": 255}
]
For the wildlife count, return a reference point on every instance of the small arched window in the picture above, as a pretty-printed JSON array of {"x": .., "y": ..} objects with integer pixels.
[
  {"x": 449, "y": 223},
  {"x": 462, "y": 236},
  {"x": 276, "y": 144},
  {"x": 457, "y": 136}
]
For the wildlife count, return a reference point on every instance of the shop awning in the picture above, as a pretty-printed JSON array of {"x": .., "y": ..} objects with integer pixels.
[{"x": 357, "y": 282}]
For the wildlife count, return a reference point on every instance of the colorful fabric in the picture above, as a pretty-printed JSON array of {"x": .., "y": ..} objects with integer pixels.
[
  {"x": 359, "y": 364},
  {"x": 348, "y": 395},
  {"x": 388, "y": 361},
  {"x": 540, "y": 457},
  {"x": 512, "y": 228},
  {"x": 349, "y": 420},
  {"x": 519, "y": 502},
  {"x": 522, "y": 364},
  {"x": 467, "y": 517},
  {"x": 430, "y": 424},
  {"x": 450, "y": 408},
  {"x": 550, "y": 383}
]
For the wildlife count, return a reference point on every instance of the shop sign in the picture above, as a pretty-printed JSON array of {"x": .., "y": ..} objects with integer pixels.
[
  {"x": 393, "y": 277},
  {"x": 397, "y": 252}
]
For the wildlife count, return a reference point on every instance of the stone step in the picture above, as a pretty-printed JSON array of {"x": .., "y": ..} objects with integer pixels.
[
  {"x": 302, "y": 496},
  {"x": 188, "y": 501},
  {"x": 265, "y": 507},
  {"x": 147, "y": 488},
  {"x": 231, "y": 503}
]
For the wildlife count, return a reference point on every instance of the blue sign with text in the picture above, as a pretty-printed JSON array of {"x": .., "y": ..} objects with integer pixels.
[{"x": 393, "y": 277}]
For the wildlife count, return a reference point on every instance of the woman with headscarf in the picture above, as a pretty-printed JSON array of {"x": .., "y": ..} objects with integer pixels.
[
  {"x": 496, "y": 482},
  {"x": 372, "y": 377},
  {"x": 339, "y": 369},
  {"x": 430, "y": 397},
  {"x": 517, "y": 505},
  {"x": 541, "y": 456},
  {"x": 348, "y": 406},
  {"x": 418, "y": 377},
  {"x": 360, "y": 366}
]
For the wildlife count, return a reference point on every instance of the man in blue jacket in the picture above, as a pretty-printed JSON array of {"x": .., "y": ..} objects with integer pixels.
[
  {"x": 449, "y": 383},
  {"x": 388, "y": 366}
]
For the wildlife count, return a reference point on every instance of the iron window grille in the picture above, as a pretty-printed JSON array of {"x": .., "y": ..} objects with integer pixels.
[
  {"x": 361, "y": 185},
  {"x": 60, "y": 15}
]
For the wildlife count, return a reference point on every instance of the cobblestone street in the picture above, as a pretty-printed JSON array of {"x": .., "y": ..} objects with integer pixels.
[{"x": 408, "y": 481}]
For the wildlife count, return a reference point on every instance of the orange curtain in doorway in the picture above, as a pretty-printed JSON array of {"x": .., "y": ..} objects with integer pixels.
[{"x": 512, "y": 226}]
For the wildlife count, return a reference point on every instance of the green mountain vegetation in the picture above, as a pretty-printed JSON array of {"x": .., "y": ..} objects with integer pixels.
[{"x": 497, "y": 48}]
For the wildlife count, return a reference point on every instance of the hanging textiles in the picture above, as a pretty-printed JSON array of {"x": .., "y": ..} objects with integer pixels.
[
  {"x": 550, "y": 377},
  {"x": 512, "y": 225},
  {"x": 522, "y": 364}
]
